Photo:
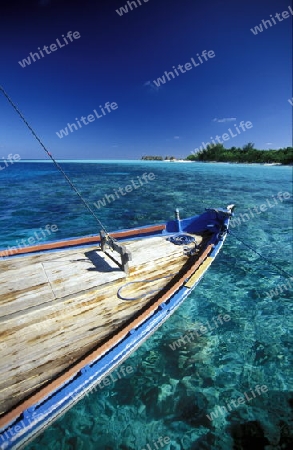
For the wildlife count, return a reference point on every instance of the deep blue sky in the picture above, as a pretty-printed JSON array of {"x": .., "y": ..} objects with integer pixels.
[{"x": 116, "y": 59}]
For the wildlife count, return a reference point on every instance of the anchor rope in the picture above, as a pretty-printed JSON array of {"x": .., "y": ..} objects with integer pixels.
[
  {"x": 142, "y": 295},
  {"x": 259, "y": 254},
  {"x": 55, "y": 162}
]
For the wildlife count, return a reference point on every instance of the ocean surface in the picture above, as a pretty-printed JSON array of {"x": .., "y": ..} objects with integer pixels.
[{"x": 183, "y": 397}]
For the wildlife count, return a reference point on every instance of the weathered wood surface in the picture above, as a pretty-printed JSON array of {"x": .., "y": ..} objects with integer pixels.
[{"x": 54, "y": 307}]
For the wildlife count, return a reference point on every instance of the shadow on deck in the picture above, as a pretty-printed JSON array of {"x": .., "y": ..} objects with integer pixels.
[{"x": 100, "y": 263}]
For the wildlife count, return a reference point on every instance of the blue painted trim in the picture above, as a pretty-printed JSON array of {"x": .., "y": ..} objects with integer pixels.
[
  {"x": 194, "y": 224},
  {"x": 138, "y": 235},
  {"x": 37, "y": 417}
]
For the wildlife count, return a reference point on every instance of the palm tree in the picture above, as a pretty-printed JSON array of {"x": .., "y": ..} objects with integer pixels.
[{"x": 248, "y": 147}]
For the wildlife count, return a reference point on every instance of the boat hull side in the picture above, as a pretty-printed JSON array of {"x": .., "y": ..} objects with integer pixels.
[{"x": 19, "y": 431}]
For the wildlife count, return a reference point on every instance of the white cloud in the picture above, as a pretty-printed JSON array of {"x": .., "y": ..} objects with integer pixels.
[
  {"x": 151, "y": 86},
  {"x": 225, "y": 119},
  {"x": 176, "y": 137}
]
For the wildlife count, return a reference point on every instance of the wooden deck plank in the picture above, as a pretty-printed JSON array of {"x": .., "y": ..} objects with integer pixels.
[
  {"x": 26, "y": 299},
  {"x": 39, "y": 286},
  {"x": 41, "y": 341}
]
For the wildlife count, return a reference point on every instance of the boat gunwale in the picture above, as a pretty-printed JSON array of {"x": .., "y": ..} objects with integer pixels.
[
  {"x": 177, "y": 292},
  {"x": 79, "y": 241},
  {"x": 53, "y": 386}
]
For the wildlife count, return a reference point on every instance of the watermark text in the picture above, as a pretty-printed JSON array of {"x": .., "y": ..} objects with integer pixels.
[
  {"x": 134, "y": 184},
  {"x": 162, "y": 441},
  {"x": 225, "y": 136},
  {"x": 200, "y": 59},
  {"x": 259, "y": 28},
  {"x": 200, "y": 331},
  {"x": 9, "y": 160},
  {"x": 250, "y": 214},
  {"x": 124, "y": 9},
  {"x": 280, "y": 289},
  {"x": 38, "y": 235},
  {"x": 109, "y": 107},
  {"x": 258, "y": 390},
  {"x": 47, "y": 50}
]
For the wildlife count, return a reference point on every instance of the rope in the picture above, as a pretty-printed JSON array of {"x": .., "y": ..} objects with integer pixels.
[
  {"x": 54, "y": 161},
  {"x": 259, "y": 254},
  {"x": 142, "y": 295},
  {"x": 181, "y": 239}
]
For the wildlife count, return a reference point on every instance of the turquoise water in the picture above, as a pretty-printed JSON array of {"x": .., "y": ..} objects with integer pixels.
[{"x": 170, "y": 393}]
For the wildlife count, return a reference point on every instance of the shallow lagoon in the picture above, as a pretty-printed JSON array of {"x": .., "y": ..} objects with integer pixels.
[{"x": 170, "y": 393}]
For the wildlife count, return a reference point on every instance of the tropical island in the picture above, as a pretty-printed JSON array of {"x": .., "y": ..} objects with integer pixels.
[{"x": 246, "y": 154}]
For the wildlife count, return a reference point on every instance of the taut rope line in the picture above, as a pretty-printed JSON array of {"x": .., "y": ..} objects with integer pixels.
[
  {"x": 259, "y": 254},
  {"x": 55, "y": 162}
]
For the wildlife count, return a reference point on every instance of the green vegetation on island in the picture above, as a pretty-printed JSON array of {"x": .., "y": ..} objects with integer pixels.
[{"x": 246, "y": 154}]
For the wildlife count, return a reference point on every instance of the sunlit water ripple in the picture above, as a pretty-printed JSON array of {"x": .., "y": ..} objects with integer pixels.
[{"x": 171, "y": 393}]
